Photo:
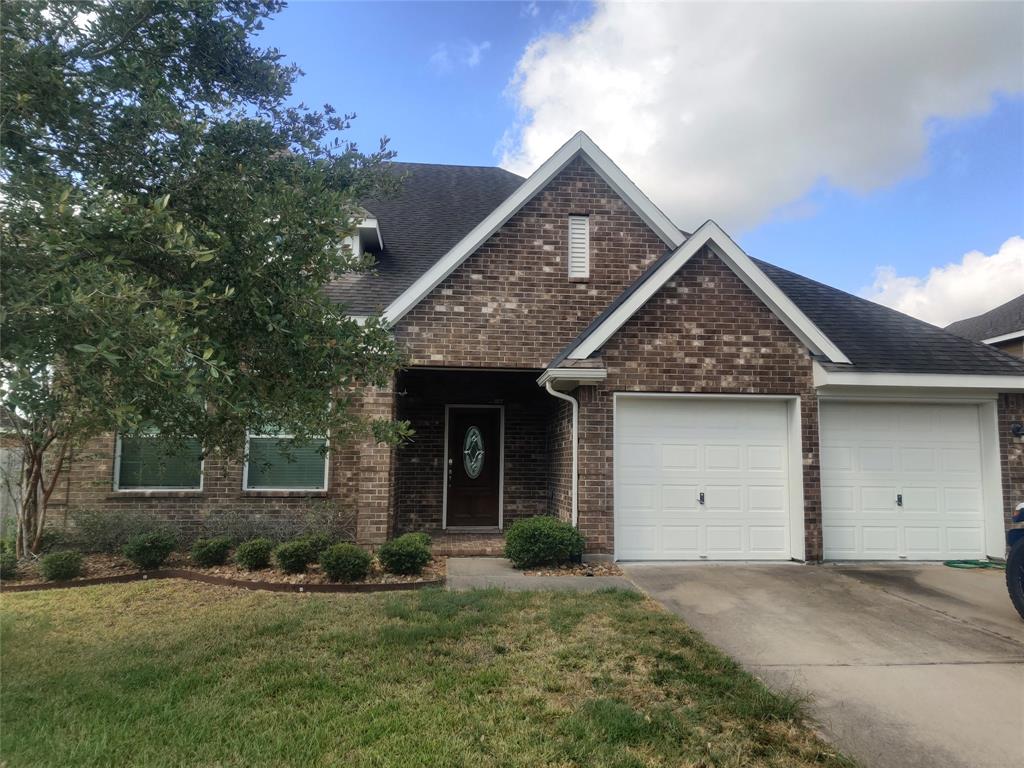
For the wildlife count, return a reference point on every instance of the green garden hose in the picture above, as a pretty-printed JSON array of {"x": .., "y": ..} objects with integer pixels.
[{"x": 970, "y": 564}]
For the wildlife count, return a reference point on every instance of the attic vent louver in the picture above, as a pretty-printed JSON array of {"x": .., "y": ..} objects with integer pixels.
[{"x": 579, "y": 247}]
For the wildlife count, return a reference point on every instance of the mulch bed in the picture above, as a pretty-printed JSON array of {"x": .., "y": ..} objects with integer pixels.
[
  {"x": 108, "y": 569},
  {"x": 581, "y": 569}
]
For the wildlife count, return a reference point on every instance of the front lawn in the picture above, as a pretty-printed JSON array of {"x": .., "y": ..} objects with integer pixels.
[{"x": 181, "y": 674}]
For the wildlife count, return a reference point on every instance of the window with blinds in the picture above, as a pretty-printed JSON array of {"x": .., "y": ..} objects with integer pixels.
[
  {"x": 278, "y": 463},
  {"x": 146, "y": 462},
  {"x": 579, "y": 246}
]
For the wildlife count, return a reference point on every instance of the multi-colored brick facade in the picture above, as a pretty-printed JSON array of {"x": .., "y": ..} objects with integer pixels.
[
  {"x": 511, "y": 304},
  {"x": 504, "y": 313},
  {"x": 704, "y": 332}
]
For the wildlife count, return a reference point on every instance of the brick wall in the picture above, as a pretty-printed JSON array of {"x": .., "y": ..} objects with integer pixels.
[
  {"x": 359, "y": 482},
  {"x": 560, "y": 461},
  {"x": 420, "y": 471},
  {"x": 1010, "y": 408},
  {"x": 704, "y": 331},
  {"x": 516, "y": 286}
]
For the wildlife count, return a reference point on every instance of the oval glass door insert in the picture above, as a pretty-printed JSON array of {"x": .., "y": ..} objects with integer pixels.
[{"x": 473, "y": 452}]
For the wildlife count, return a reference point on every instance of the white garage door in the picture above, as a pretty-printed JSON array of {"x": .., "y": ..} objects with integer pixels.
[
  {"x": 901, "y": 481},
  {"x": 701, "y": 479}
]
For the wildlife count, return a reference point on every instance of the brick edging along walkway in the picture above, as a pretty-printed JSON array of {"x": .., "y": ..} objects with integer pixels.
[{"x": 224, "y": 581}]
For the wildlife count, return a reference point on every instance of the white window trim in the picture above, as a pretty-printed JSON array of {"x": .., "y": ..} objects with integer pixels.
[
  {"x": 153, "y": 489},
  {"x": 728, "y": 251},
  {"x": 501, "y": 465},
  {"x": 585, "y": 273},
  {"x": 283, "y": 436},
  {"x": 580, "y": 144}
]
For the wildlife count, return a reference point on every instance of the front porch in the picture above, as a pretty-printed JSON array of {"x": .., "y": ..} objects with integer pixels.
[{"x": 490, "y": 447}]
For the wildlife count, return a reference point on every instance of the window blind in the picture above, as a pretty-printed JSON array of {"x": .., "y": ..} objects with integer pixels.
[{"x": 276, "y": 462}]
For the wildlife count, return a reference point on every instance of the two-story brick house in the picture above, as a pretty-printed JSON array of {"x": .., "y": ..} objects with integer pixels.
[{"x": 572, "y": 352}]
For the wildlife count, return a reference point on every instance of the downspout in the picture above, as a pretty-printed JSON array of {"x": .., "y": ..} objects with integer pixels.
[{"x": 575, "y": 447}]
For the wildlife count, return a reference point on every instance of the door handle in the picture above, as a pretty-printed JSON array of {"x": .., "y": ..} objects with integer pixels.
[
  {"x": 700, "y": 498},
  {"x": 899, "y": 499}
]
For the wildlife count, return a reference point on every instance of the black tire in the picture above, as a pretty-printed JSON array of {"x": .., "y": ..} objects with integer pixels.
[{"x": 1015, "y": 576}]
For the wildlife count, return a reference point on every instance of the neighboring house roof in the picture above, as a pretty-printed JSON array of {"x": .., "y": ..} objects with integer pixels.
[
  {"x": 1003, "y": 323},
  {"x": 437, "y": 206}
]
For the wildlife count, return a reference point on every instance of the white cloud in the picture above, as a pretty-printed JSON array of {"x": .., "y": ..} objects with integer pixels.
[
  {"x": 447, "y": 55},
  {"x": 530, "y": 10},
  {"x": 732, "y": 111},
  {"x": 974, "y": 285}
]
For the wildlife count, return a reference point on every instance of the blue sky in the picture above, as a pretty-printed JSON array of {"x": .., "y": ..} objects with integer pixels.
[{"x": 435, "y": 77}]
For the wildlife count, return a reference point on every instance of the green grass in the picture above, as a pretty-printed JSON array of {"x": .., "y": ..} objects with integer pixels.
[{"x": 169, "y": 673}]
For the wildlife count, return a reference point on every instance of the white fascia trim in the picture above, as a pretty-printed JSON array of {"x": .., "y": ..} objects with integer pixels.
[
  {"x": 577, "y": 375},
  {"x": 578, "y": 144},
  {"x": 944, "y": 381},
  {"x": 1005, "y": 337},
  {"x": 713, "y": 235}
]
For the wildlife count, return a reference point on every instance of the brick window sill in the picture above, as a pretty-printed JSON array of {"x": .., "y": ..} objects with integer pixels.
[
  {"x": 153, "y": 494},
  {"x": 246, "y": 494}
]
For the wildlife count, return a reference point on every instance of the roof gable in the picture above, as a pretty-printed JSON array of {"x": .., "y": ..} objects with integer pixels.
[
  {"x": 578, "y": 145},
  {"x": 604, "y": 326},
  {"x": 1002, "y": 323}
]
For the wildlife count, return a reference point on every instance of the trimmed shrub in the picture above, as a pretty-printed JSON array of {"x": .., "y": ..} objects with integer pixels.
[
  {"x": 149, "y": 550},
  {"x": 345, "y": 562},
  {"x": 208, "y": 552},
  {"x": 542, "y": 540},
  {"x": 406, "y": 555},
  {"x": 95, "y": 530},
  {"x": 420, "y": 536},
  {"x": 8, "y": 565},
  {"x": 318, "y": 543},
  {"x": 294, "y": 556},
  {"x": 254, "y": 554},
  {"x": 61, "y": 566}
]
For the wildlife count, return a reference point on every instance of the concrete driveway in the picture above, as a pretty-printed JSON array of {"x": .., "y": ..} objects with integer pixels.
[{"x": 905, "y": 665}]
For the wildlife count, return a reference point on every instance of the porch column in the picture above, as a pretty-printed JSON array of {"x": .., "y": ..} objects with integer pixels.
[{"x": 375, "y": 497}]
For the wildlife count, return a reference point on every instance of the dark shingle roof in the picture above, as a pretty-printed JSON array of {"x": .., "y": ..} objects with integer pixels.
[
  {"x": 437, "y": 206},
  {"x": 1006, "y": 318},
  {"x": 876, "y": 339},
  {"x": 879, "y": 339}
]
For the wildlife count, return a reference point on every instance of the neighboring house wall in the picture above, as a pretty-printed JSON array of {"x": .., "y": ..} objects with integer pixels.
[
  {"x": 511, "y": 304},
  {"x": 1015, "y": 347},
  {"x": 703, "y": 332},
  {"x": 1011, "y": 453}
]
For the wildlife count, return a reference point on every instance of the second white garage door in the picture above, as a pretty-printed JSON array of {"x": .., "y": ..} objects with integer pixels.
[
  {"x": 901, "y": 481},
  {"x": 701, "y": 479}
]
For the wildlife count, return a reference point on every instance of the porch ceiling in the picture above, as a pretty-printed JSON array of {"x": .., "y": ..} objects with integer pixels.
[{"x": 438, "y": 385}]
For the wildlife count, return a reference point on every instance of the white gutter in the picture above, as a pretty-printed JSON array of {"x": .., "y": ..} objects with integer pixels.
[{"x": 575, "y": 447}]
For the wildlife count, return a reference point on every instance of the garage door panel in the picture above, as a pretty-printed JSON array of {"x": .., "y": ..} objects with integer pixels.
[
  {"x": 927, "y": 453},
  {"x": 734, "y": 452}
]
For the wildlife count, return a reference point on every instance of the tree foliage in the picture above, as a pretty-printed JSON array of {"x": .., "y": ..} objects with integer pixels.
[{"x": 168, "y": 223}]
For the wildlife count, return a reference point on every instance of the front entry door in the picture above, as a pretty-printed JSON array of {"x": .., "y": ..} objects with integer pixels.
[{"x": 473, "y": 473}]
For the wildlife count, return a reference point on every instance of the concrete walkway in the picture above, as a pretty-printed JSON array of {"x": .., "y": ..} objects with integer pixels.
[
  {"x": 907, "y": 666},
  {"x": 484, "y": 572}
]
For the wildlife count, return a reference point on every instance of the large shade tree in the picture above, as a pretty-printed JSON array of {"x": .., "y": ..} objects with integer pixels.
[{"x": 168, "y": 222}]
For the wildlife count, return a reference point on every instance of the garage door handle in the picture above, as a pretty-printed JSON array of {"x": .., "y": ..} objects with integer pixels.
[
  {"x": 701, "y": 497},
  {"x": 899, "y": 499}
]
